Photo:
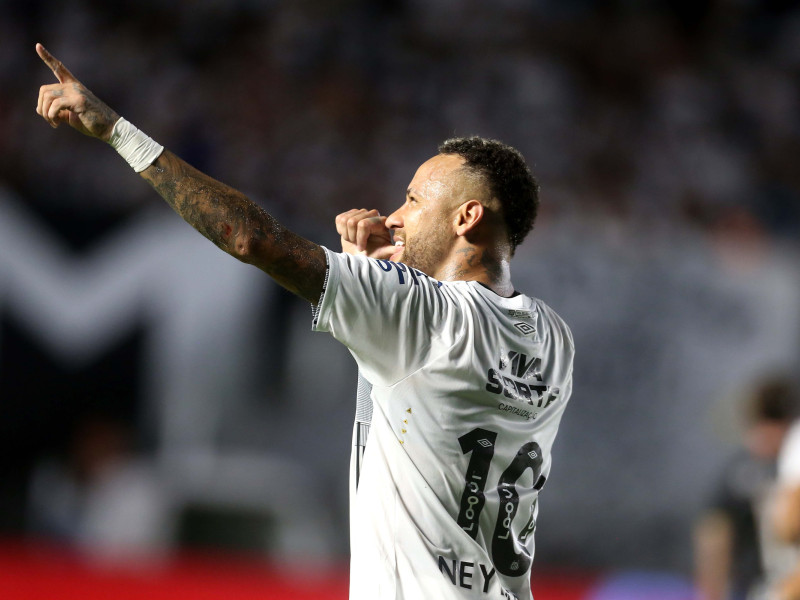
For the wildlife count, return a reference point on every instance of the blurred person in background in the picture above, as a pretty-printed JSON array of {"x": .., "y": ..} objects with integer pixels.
[
  {"x": 785, "y": 517},
  {"x": 732, "y": 537},
  {"x": 102, "y": 500}
]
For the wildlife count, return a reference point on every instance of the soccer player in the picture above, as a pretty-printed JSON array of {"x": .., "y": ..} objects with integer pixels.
[
  {"x": 466, "y": 378},
  {"x": 735, "y": 549}
]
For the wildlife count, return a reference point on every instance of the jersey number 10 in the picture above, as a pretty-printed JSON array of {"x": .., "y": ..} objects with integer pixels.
[{"x": 481, "y": 443}]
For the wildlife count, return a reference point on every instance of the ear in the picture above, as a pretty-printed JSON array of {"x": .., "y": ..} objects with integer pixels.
[{"x": 467, "y": 217}]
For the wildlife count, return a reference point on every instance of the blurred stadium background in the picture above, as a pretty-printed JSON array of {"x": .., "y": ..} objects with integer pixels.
[{"x": 169, "y": 423}]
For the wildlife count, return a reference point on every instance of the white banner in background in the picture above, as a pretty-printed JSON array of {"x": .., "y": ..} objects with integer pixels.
[{"x": 195, "y": 302}]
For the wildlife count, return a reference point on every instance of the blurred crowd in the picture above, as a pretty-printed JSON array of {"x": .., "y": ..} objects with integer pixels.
[{"x": 652, "y": 113}]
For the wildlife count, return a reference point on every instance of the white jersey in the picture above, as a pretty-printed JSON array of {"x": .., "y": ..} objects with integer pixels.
[
  {"x": 789, "y": 459},
  {"x": 781, "y": 559},
  {"x": 468, "y": 389}
]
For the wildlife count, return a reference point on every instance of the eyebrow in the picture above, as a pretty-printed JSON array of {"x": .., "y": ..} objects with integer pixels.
[{"x": 411, "y": 191}]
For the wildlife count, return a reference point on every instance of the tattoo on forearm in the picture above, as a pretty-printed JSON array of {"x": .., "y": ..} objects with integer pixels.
[
  {"x": 239, "y": 226},
  {"x": 102, "y": 114}
]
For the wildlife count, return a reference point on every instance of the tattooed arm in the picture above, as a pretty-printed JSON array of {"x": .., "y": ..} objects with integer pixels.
[
  {"x": 239, "y": 226},
  {"x": 224, "y": 215}
]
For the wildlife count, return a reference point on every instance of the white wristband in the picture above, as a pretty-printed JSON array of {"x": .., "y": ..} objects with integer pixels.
[{"x": 139, "y": 150}]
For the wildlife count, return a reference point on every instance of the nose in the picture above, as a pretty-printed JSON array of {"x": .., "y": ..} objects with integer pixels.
[{"x": 395, "y": 220}]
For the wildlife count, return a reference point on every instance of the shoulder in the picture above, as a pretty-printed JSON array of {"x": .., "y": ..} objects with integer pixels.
[
  {"x": 554, "y": 323},
  {"x": 370, "y": 271}
]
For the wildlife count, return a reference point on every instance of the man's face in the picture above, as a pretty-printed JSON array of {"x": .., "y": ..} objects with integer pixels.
[{"x": 423, "y": 225}]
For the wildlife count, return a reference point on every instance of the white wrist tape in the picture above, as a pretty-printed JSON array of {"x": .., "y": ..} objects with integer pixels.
[{"x": 139, "y": 150}]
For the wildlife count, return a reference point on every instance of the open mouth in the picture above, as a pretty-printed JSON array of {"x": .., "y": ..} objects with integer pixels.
[{"x": 399, "y": 246}]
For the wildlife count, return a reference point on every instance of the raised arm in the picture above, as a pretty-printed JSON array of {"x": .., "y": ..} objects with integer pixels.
[
  {"x": 224, "y": 215},
  {"x": 239, "y": 226}
]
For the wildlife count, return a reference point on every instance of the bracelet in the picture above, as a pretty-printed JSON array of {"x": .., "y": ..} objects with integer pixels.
[{"x": 139, "y": 150}]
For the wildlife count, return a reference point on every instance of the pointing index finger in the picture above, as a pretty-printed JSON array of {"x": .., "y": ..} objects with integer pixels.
[{"x": 59, "y": 70}]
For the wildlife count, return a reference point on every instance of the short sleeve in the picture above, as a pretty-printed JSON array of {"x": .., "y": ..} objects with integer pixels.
[{"x": 389, "y": 315}]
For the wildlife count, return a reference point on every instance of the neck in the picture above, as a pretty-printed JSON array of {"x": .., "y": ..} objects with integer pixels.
[{"x": 472, "y": 263}]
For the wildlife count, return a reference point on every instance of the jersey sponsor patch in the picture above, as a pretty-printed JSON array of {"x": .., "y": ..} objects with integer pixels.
[
  {"x": 519, "y": 377},
  {"x": 400, "y": 268}
]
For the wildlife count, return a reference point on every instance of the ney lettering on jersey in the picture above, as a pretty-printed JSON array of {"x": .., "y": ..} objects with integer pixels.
[
  {"x": 465, "y": 575},
  {"x": 471, "y": 575}
]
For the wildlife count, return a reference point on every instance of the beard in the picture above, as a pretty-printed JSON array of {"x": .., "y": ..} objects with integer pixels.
[{"x": 426, "y": 250}]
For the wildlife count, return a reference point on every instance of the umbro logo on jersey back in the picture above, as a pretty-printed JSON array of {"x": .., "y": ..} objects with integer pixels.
[{"x": 525, "y": 328}]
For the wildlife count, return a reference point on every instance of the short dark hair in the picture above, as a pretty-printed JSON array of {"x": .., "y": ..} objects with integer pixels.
[
  {"x": 508, "y": 178},
  {"x": 774, "y": 399}
]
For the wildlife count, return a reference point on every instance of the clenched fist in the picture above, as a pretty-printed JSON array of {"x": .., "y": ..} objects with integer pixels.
[{"x": 364, "y": 232}]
